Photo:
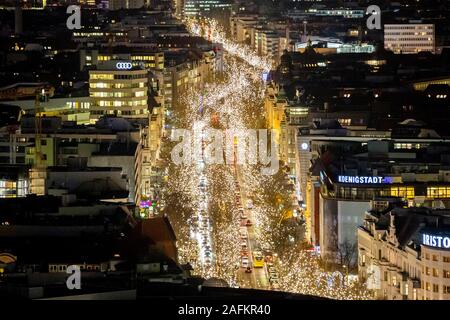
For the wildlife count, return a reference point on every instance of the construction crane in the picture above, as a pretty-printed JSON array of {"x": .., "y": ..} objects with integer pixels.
[{"x": 38, "y": 172}]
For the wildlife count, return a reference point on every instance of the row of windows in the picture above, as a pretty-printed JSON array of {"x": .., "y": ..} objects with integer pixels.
[
  {"x": 110, "y": 76},
  {"x": 408, "y": 146},
  {"x": 408, "y": 33},
  {"x": 120, "y": 112},
  {"x": 427, "y": 286},
  {"x": 408, "y": 27},
  {"x": 403, "y": 192},
  {"x": 103, "y": 85},
  {"x": 101, "y": 76},
  {"x": 118, "y": 94},
  {"x": 369, "y": 193},
  {"x": 411, "y": 40},
  {"x": 143, "y": 58},
  {"x": 435, "y": 257},
  {"x": 410, "y": 45},
  {"x": 129, "y": 76},
  {"x": 438, "y": 192},
  {"x": 138, "y": 103},
  {"x": 435, "y": 272}
]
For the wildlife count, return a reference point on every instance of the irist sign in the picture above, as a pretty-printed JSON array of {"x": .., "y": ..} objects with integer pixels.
[{"x": 436, "y": 241}]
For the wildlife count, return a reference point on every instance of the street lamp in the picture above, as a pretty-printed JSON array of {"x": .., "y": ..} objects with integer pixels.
[{"x": 346, "y": 274}]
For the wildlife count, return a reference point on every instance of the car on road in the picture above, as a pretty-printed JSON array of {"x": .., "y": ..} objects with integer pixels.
[
  {"x": 243, "y": 234},
  {"x": 249, "y": 204},
  {"x": 245, "y": 262},
  {"x": 248, "y": 223},
  {"x": 243, "y": 215},
  {"x": 258, "y": 260},
  {"x": 248, "y": 270}
]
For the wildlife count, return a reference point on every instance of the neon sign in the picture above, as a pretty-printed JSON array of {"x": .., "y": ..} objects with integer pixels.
[
  {"x": 364, "y": 179},
  {"x": 436, "y": 241}
]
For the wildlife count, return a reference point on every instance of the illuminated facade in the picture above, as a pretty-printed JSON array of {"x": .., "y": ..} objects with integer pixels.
[
  {"x": 341, "y": 12},
  {"x": 409, "y": 38},
  {"x": 201, "y": 7},
  {"x": 47, "y": 152},
  {"x": 118, "y": 88},
  {"x": 399, "y": 265},
  {"x": 423, "y": 84},
  {"x": 153, "y": 60},
  {"x": 12, "y": 188},
  {"x": 337, "y": 195},
  {"x": 125, "y": 4},
  {"x": 266, "y": 43}
]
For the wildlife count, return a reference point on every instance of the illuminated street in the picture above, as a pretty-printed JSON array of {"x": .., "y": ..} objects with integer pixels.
[{"x": 211, "y": 219}]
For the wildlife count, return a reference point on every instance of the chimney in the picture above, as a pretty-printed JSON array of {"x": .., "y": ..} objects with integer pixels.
[{"x": 18, "y": 19}]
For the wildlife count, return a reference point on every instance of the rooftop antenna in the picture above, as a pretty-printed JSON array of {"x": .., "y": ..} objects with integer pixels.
[{"x": 304, "y": 29}]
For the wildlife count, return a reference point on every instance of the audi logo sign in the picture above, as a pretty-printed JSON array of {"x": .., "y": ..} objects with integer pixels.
[{"x": 124, "y": 65}]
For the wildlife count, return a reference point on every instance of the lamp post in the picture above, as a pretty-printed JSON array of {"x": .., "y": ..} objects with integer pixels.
[{"x": 346, "y": 275}]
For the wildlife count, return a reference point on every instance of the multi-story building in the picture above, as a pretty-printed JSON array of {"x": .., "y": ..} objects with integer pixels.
[
  {"x": 125, "y": 4},
  {"x": 204, "y": 7},
  {"x": 409, "y": 38},
  {"x": 349, "y": 174},
  {"x": 113, "y": 142},
  {"x": 266, "y": 44},
  {"x": 404, "y": 253},
  {"x": 336, "y": 12},
  {"x": 241, "y": 27},
  {"x": 14, "y": 181},
  {"x": 149, "y": 58},
  {"x": 179, "y": 7},
  {"x": 118, "y": 88}
]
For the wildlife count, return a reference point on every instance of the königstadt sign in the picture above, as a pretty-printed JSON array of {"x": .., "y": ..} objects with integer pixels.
[{"x": 364, "y": 179}]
